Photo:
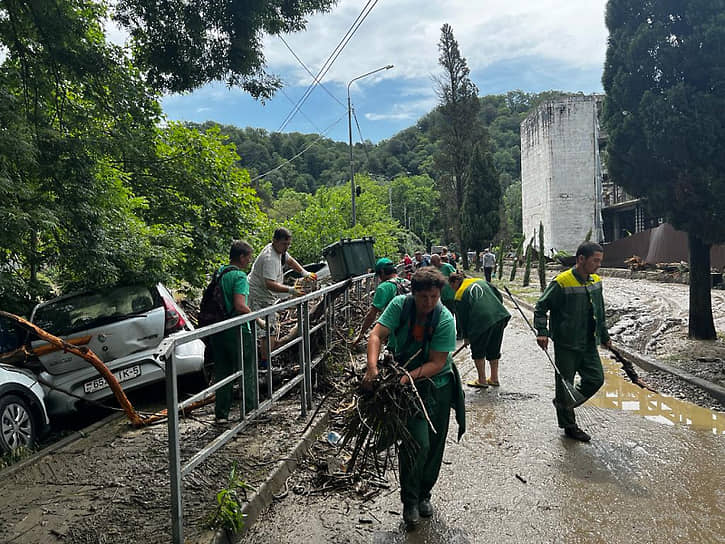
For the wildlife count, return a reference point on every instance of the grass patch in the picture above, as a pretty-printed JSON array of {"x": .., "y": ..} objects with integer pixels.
[{"x": 15, "y": 456}]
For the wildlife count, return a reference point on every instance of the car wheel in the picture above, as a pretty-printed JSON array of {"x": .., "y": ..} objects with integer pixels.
[{"x": 18, "y": 426}]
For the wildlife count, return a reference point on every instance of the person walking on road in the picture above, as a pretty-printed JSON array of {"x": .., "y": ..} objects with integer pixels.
[
  {"x": 447, "y": 292},
  {"x": 489, "y": 263},
  {"x": 389, "y": 287},
  {"x": 577, "y": 325},
  {"x": 482, "y": 318},
  {"x": 225, "y": 345},
  {"x": 419, "y": 260},
  {"x": 412, "y": 323}
]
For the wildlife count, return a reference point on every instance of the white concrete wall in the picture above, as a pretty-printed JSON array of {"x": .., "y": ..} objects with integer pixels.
[{"x": 558, "y": 172}]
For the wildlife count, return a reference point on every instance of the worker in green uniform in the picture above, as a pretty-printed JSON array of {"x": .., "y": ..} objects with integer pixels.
[
  {"x": 390, "y": 286},
  {"x": 447, "y": 292},
  {"x": 482, "y": 318},
  {"x": 577, "y": 326},
  {"x": 411, "y": 323},
  {"x": 225, "y": 345}
]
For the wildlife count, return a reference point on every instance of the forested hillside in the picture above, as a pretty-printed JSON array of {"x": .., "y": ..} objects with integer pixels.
[{"x": 305, "y": 162}]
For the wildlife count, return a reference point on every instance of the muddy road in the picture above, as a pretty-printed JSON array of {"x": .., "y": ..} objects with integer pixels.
[{"x": 652, "y": 473}]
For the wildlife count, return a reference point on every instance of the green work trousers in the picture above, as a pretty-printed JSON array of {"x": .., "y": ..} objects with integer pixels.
[
  {"x": 419, "y": 467},
  {"x": 587, "y": 364},
  {"x": 225, "y": 351}
]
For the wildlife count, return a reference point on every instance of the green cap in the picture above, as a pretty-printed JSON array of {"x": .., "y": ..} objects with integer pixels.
[{"x": 382, "y": 263}]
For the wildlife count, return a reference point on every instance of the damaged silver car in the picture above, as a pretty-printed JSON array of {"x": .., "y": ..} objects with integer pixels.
[{"x": 125, "y": 327}]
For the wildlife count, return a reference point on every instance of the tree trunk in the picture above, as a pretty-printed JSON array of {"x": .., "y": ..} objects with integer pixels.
[{"x": 701, "y": 325}]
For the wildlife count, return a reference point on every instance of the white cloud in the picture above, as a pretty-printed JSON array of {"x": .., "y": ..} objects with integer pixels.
[
  {"x": 406, "y": 33},
  {"x": 400, "y": 116}
]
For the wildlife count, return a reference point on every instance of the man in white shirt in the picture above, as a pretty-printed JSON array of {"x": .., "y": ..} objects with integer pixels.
[{"x": 266, "y": 280}]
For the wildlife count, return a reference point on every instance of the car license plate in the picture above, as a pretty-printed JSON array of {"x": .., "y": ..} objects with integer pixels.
[{"x": 122, "y": 375}]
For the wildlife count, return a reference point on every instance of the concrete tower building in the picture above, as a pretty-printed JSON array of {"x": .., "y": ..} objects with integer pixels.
[{"x": 561, "y": 174}]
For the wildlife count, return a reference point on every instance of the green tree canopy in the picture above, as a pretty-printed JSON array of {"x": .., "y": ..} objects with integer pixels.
[
  {"x": 480, "y": 215},
  {"x": 182, "y": 45},
  {"x": 458, "y": 129},
  {"x": 665, "y": 114}
]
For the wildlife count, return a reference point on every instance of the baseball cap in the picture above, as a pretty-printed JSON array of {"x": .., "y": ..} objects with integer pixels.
[{"x": 382, "y": 263}]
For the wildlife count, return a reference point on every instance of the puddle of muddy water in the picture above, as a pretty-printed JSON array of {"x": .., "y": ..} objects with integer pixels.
[{"x": 618, "y": 393}]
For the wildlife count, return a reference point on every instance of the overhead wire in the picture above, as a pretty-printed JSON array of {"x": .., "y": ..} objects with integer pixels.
[
  {"x": 362, "y": 140},
  {"x": 317, "y": 80},
  {"x": 314, "y": 77},
  {"x": 330, "y": 60},
  {"x": 322, "y": 135},
  {"x": 314, "y": 125}
]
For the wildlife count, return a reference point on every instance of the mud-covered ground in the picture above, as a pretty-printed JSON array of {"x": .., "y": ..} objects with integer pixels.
[
  {"x": 652, "y": 319},
  {"x": 112, "y": 486}
]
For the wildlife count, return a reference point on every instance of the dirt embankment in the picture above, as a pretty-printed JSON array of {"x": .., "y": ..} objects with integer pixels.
[{"x": 652, "y": 318}]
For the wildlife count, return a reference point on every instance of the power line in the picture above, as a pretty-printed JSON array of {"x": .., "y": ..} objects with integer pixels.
[
  {"x": 331, "y": 59},
  {"x": 317, "y": 129},
  {"x": 255, "y": 178},
  {"x": 359, "y": 132},
  {"x": 314, "y": 77}
]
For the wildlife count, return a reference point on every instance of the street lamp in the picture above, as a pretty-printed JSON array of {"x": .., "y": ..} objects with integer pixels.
[{"x": 349, "y": 132}]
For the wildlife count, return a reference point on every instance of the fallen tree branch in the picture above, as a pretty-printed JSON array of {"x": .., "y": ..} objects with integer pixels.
[{"x": 86, "y": 354}]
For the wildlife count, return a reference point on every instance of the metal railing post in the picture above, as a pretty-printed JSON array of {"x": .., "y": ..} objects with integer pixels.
[
  {"x": 302, "y": 358},
  {"x": 268, "y": 340},
  {"x": 255, "y": 358},
  {"x": 326, "y": 314},
  {"x": 172, "y": 402},
  {"x": 307, "y": 347},
  {"x": 240, "y": 359}
]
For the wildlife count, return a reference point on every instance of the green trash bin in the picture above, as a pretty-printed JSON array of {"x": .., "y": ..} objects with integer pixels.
[{"x": 350, "y": 257}]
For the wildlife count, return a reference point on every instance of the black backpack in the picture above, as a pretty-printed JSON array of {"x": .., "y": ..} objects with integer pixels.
[{"x": 212, "y": 308}]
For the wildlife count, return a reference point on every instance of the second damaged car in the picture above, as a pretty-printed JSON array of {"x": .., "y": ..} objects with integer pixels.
[{"x": 125, "y": 327}]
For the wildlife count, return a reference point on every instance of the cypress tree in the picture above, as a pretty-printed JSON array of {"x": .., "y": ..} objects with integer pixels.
[
  {"x": 664, "y": 113},
  {"x": 542, "y": 258},
  {"x": 517, "y": 256},
  {"x": 527, "y": 270},
  {"x": 479, "y": 215},
  {"x": 500, "y": 260}
]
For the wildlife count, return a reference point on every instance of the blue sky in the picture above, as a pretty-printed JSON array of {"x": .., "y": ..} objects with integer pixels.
[{"x": 513, "y": 44}]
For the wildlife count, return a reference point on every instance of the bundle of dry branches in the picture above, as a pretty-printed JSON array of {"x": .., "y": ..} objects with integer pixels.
[{"x": 376, "y": 419}]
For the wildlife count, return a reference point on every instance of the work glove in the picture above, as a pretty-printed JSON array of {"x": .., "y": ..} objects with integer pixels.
[{"x": 296, "y": 291}]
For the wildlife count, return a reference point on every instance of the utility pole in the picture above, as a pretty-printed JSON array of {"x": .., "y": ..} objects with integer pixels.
[{"x": 349, "y": 134}]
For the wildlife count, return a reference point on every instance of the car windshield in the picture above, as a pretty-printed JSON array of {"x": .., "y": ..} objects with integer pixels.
[{"x": 87, "y": 310}]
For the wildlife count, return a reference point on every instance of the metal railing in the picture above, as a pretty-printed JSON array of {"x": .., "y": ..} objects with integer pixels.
[{"x": 358, "y": 291}]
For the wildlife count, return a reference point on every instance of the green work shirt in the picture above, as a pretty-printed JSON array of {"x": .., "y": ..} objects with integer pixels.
[
  {"x": 443, "y": 339},
  {"x": 447, "y": 269},
  {"x": 385, "y": 292},
  {"x": 234, "y": 283},
  {"x": 478, "y": 307},
  {"x": 576, "y": 311},
  {"x": 447, "y": 292}
]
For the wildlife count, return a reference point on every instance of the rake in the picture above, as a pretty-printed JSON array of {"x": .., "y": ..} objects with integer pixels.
[{"x": 575, "y": 396}]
